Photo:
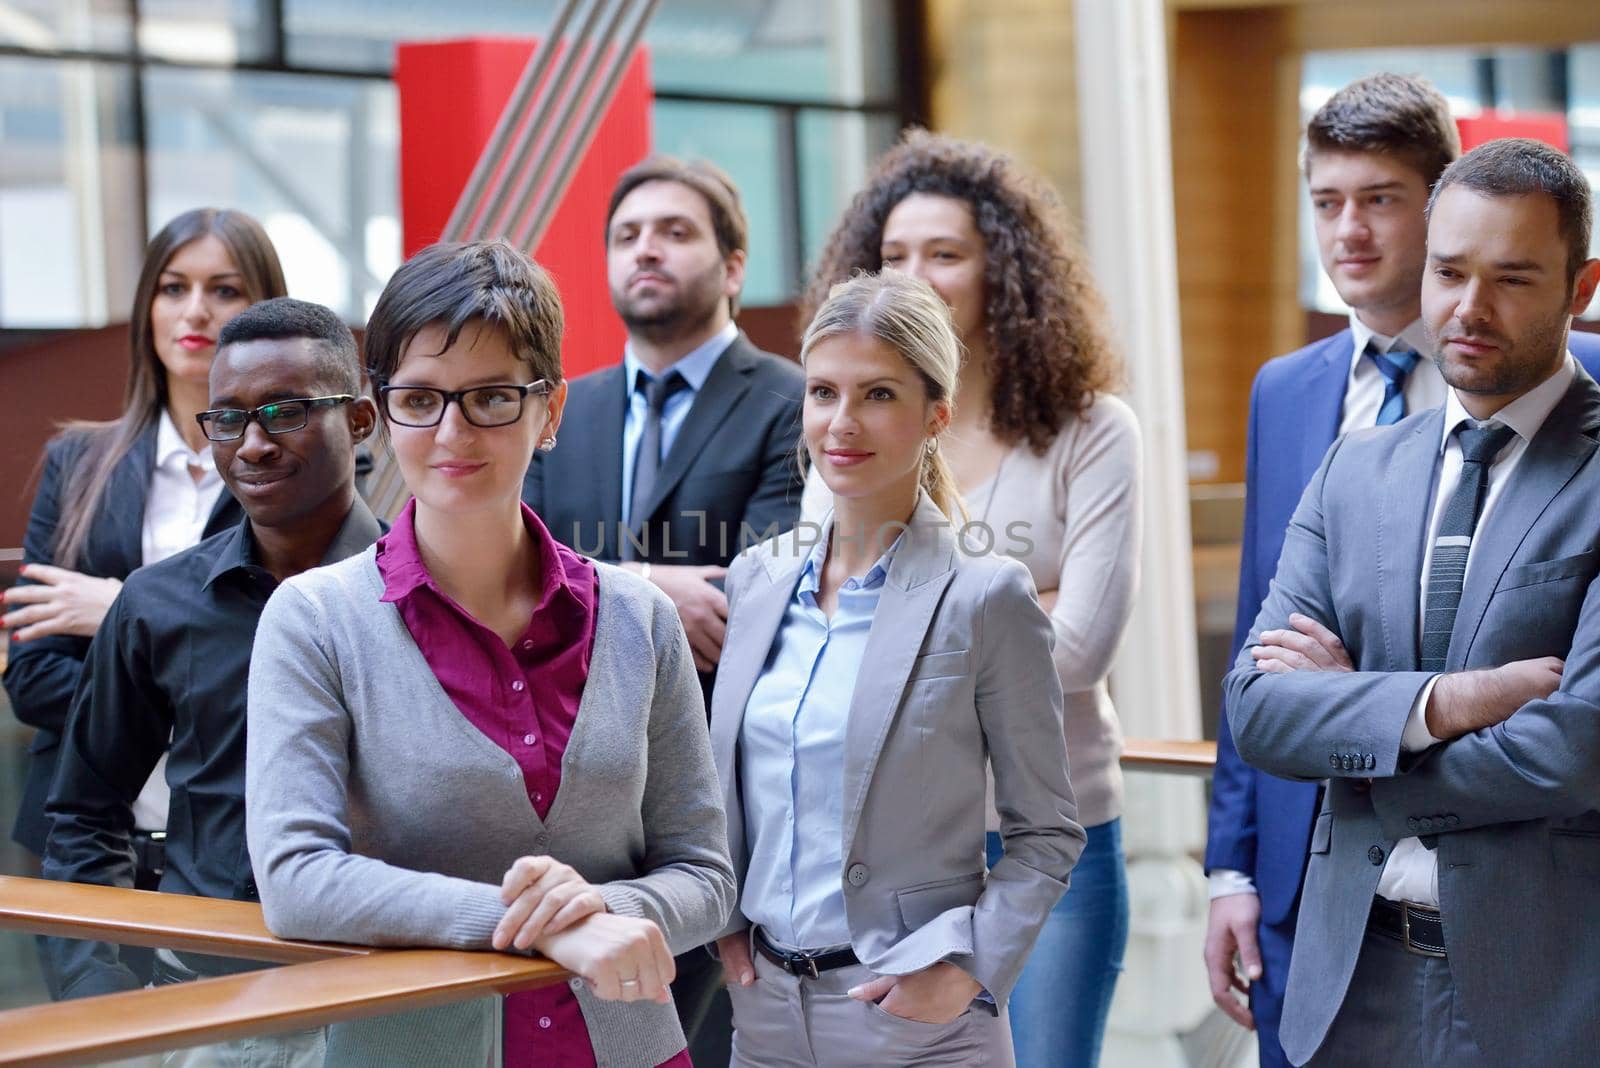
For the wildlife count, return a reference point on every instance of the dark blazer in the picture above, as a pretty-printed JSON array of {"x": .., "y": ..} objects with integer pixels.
[
  {"x": 1515, "y": 806},
  {"x": 731, "y": 466},
  {"x": 42, "y": 674},
  {"x": 1261, "y": 824}
]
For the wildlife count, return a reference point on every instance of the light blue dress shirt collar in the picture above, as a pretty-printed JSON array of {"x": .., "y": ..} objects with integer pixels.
[{"x": 695, "y": 367}]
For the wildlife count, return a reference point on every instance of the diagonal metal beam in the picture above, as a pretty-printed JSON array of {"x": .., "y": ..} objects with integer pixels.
[
  {"x": 536, "y": 220},
  {"x": 472, "y": 196},
  {"x": 535, "y": 141}
]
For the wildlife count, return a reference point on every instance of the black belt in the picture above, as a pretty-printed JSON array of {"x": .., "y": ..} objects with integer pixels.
[
  {"x": 1417, "y": 927},
  {"x": 150, "y": 852},
  {"x": 806, "y": 965}
]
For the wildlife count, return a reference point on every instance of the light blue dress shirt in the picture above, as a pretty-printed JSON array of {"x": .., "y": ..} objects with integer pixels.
[
  {"x": 695, "y": 367},
  {"x": 792, "y": 760}
]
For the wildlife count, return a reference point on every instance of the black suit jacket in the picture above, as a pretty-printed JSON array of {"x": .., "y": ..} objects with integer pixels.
[
  {"x": 731, "y": 468},
  {"x": 42, "y": 675}
]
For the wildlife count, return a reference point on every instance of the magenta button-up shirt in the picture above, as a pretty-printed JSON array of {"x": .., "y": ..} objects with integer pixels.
[{"x": 524, "y": 699}]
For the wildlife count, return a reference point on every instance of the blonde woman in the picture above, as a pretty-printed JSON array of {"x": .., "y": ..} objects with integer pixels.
[
  {"x": 1047, "y": 459},
  {"x": 871, "y": 675}
]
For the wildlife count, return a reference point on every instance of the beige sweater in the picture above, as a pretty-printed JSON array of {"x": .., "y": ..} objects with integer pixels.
[{"x": 1072, "y": 517}]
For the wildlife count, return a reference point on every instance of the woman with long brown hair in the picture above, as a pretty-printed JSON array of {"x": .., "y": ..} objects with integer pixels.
[
  {"x": 131, "y": 491},
  {"x": 1048, "y": 461}
]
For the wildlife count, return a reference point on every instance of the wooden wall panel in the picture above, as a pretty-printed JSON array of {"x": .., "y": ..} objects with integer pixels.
[{"x": 1234, "y": 90}]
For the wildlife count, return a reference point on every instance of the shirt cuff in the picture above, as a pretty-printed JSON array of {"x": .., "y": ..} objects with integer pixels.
[
  {"x": 1415, "y": 738},
  {"x": 1225, "y": 882}
]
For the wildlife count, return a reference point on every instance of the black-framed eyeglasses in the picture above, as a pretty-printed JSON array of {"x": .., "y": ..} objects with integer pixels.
[
  {"x": 484, "y": 406},
  {"x": 279, "y": 417}
]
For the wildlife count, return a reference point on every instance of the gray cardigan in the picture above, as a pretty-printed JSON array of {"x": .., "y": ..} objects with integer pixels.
[{"x": 378, "y": 815}]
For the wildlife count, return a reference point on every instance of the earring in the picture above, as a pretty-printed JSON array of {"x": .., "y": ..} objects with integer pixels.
[
  {"x": 931, "y": 447},
  {"x": 547, "y": 444}
]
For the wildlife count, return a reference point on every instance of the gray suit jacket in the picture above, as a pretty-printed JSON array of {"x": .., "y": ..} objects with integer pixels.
[
  {"x": 1514, "y": 807},
  {"x": 957, "y": 674}
]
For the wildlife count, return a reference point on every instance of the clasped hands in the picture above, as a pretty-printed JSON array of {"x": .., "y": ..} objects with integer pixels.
[
  {"x": 1460, "y": 702},
  {"x": 935, "y": 995},
  {"x": 56, "y": 601},
  {"x": 551, "y": 908}
]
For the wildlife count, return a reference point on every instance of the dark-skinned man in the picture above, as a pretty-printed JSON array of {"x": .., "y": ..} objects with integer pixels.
[{"x": 173, "y": 656}]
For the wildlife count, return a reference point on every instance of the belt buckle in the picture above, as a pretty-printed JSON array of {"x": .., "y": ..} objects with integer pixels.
[
  {"x": 1405, "y": 928},
  {"x": 806, "y": 967}
]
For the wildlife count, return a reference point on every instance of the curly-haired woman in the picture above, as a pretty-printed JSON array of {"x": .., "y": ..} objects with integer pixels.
[{"x": 1048, "y": 462}]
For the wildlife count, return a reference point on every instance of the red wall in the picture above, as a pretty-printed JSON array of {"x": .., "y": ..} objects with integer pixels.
[{"x": 451, "y": 96}]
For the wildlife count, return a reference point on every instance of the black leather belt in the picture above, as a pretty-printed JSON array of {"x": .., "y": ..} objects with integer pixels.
[
  {"x": 806, "y": 965},
  {"x": 1417, "y": 927}
]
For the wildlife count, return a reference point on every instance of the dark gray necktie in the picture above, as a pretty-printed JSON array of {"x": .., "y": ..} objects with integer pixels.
[
  {"x": 1480, "y": 444},
  {"x": 647, "y": 458}
]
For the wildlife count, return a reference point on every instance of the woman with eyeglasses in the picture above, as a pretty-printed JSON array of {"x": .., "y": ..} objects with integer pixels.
[
  {"x": 132, "y": 491},
  {"x": 472, "y": 737}
]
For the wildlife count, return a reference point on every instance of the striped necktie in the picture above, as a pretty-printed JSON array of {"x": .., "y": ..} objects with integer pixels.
[
  {"x": 1480, "y": 444},
  {"x": 1394, "y": 367},
  {"x": 647, "y": 455}
]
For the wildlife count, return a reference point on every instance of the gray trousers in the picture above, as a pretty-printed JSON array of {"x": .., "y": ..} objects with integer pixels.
[
  {"x": 1400, "y": 1010},
  {"x": 782, "y": 1021}
]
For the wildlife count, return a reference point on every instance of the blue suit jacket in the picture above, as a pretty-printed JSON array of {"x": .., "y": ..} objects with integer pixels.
[{"x": 1261, "y": 824}]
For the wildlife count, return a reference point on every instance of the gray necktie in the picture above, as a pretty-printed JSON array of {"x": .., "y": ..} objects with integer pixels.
[
  {"x": 647, "y": 458},
  {"x": 1480, "y": 444}
]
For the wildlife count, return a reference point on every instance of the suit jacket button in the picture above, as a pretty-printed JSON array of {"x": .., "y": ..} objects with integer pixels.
[
  {"x": 1333, "y": 761},
  {"x": 1349, "y": 762},
  {"x": 1372, "y": 762},
  {"x": 1375, "y": 854},
  {"x": 857, "y": 874},
  {"x": 1451, "y": 820},
  {"x": 1428, "y": 823},
  {"x": 1413, "y": 824}
]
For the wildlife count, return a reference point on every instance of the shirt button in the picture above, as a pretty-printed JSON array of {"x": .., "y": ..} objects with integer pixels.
[
  {"x": 544, "y": 1021},
  {"x": 1375, "y": 855},
  {"x": 527, "y": 645},
  {"x": 529, "y": 739},
  {"x": 518, "y": 686}
]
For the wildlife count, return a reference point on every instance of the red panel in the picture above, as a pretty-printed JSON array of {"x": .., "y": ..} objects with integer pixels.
[
  {"x": 451, "y": 96},
  {"x": 1547, "y": 126}
]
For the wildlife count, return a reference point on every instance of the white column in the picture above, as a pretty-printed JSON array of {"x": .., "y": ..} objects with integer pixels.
[{"x": 1129, "y": 234}]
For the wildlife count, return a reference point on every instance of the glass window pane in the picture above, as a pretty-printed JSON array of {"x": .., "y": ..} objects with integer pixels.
[
  {"x": 836, "y": 50},
  {"x": 207, "y": 31},
  {"x": 244, "y": 140},
  {"x": 836, "y": 151},
  {"x": 67, "y": 177},
  {"x": 744, "y": 141},
  {"x": 66, "y": 25},
  {"x": 783, "y": 49}
]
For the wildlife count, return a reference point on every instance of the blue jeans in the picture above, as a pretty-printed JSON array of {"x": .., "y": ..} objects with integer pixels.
[{"x": 1060, "y": 1004}]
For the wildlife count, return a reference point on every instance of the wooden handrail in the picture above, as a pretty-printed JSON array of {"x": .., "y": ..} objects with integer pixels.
[
  {"x": 142, "y": 918},
  {"x": 1185, "y": 757},
  {"x": 290, "y": 998},
  {"x": 319, "y": 984}
]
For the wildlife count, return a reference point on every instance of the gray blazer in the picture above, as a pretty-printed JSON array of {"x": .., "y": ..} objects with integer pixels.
[
  {"x": 1513, "y": 807},
  {"x": 957, "y": 674}
]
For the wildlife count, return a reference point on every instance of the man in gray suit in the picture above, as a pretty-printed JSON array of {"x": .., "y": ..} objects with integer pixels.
[{"x": 1448, "y": 914}]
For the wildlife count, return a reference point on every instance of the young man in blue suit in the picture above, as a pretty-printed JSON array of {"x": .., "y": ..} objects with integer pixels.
[{"x": 1373, "y": 152}]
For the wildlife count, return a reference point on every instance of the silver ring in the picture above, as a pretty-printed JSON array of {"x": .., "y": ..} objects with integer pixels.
[{"x": 630, "y": 982}]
